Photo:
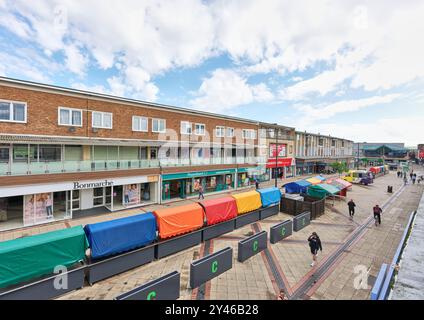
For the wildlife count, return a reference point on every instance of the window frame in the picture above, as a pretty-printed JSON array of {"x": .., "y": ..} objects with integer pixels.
[
  {"x": 252, "y": 134},
  {"x": 11, "y": 111},
  {"x": 159, "y": 119},
  {"x": 188, "y": 125},
  {"x": 102, "y": 126},
  {"x": 195, "y": 129},
  {"x": 70, "y": 116},
  {"x": 216, "y": 131},
  {"x": 233, "y": 131},
  {"x": 141, "y": 117}
]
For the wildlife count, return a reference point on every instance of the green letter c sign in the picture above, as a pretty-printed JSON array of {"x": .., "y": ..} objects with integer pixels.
[
  {"x": 151, "y": 295},
  {"x": 255, "y": 245},
  {"x": 283, "y": 231},
  {"x": 214, "y": 266},
  {"x": 303, "y": 221}
]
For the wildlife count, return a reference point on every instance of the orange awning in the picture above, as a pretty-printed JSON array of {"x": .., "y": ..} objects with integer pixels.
[{"x": 178, "y": 220}]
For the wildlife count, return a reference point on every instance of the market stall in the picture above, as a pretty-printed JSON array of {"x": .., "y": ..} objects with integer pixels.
[
  {"x": 314, "y": 181},
  {"x": 247, "y": 201},
  {"x": 321, "y": 191},
  {"x": 299, "y": 186}
]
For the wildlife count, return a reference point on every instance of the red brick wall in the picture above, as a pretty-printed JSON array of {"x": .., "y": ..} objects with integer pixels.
[{"x": 42, "y": 116}]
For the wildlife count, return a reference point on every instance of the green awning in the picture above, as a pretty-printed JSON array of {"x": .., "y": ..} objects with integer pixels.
[
  {"x": 322, "y": 190},
  {"x": 35, "y": 256}
]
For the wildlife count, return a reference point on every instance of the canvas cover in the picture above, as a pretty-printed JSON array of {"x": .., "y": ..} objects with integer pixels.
[
  {"x": 320, "y": 178},
  {"x": 299, "y": 186},
  {"x": 314, "y": 181},
  {"x": 120, "y": 235},
  {"x": 322, "y": 190},
  {"x": 247, "y": 201},
  {"x": 179, "y": 220},
  {"x": 269, "y": 196},
  {"x": 219, "y": 210},
  {"x": 31, "y": 257}
]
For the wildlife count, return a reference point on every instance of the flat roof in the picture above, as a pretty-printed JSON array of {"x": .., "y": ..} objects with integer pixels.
[{"x": 322, "y": 135}]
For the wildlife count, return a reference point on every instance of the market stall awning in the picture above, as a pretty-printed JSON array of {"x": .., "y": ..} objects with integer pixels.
[
  {"x": 120, "y": 235},
  {"x": 35, "y": 256},
  {"x": 322, "y": 190},
  {"x": 340, "y": 183},
  {"x": 270, "y": 196},
  {"x": 219, "y": 210},
  {"x": 320, "y": 178},
  {"x": 299, "y": 186},
  {"x": 280, "y": 162},
  {"x": 314, "y": 181},
  {"x": 247, "y": 201},
  {"x": 179, "y": 220}
]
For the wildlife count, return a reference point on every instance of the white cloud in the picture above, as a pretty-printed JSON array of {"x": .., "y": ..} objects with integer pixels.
[
  {"x": 75, "y": 61},
  {"x": 226, "y": 89},
  {"x": 385, "y": 129},
  {"x": 313, "y": 114}
]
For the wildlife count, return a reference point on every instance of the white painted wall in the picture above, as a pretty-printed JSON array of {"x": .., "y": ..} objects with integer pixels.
[{"x": 86, "y": 201}]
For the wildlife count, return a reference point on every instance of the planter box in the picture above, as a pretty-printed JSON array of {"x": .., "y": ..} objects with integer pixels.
[
  {"x": 246, "y": 218},
  {"x": 167, "y": 247}
]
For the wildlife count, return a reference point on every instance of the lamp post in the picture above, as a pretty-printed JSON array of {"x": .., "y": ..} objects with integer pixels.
[{"x": 276, "y": 132}]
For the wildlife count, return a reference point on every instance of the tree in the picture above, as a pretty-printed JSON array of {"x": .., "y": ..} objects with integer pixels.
[{"x": 340, "y": 167}]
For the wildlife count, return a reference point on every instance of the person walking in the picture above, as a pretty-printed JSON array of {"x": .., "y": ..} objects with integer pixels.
[
  {"x": 315, "y": 245},
  {"x": 405, "y": 180},
  {"x": 282, "y": 295},
  {"x": 411, "y": 175},
  {"x": 201, "y": 192},
  {"x": 414, "y": 177},
  {"x": 377, "y": 214},
  {"x": 351, "y": 206},
  {"x": 257, "y": 183}
]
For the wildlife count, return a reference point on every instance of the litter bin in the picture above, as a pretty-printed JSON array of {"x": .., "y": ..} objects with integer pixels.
[{"x": 390, "y": 189}]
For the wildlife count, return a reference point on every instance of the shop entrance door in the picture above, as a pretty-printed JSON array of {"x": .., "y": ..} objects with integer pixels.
[{"x": 117, "y": 195}]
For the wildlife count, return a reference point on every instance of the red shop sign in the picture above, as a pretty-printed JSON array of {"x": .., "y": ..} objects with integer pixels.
[{"x": 282, "y": 162}]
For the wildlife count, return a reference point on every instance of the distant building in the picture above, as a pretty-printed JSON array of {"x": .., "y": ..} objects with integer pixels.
[{"x": 369, "y": 154}]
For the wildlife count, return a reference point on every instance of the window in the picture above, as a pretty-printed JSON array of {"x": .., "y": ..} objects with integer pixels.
[
  {"x": 20, "y": 152},
  {"x": 13, "y": 111},
  {"x": 199, "y": 129},
  {"x": 333, "y": 143},
  {"x": 220, "y": 131},
  {"x": 249, "y": 134},
  {"x": 4, "y": 153},
  {"x": 102, "y": 120},
  {"x": 230, "y": 132},
  {"x": 186, "y": 127},
  {"x": 140, "y": 124},
  {"x": 49, "y": 152},
  {"x": 70, "y": 117},
  {"x": 158, "y": 125}
]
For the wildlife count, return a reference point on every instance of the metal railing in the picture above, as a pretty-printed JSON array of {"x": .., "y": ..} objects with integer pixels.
[{"x": 32, "y": 168}]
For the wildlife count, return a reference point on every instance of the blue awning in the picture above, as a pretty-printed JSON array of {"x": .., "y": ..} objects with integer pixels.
[
  {"x": 270, "y": 196},
  {"x": 299, "y": 186},
  {"x": 120, "y": 235},
  {"x": 320, "y": 178}
]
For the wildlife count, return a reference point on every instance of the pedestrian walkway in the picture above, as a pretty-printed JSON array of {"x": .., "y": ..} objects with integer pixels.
[{"x": 287, "y": 264}]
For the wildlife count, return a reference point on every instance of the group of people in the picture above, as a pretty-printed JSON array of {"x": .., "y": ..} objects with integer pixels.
[
  {"x": 377, "y": 211},
  {"x": 412, "y": 176}
]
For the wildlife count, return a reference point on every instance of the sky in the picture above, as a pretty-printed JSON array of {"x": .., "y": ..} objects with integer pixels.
[{"x": 346, "y": 68}]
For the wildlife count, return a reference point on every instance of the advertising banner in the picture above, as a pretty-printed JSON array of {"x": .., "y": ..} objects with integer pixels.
[
  {"x": 281, "y": 150},
  {"x": 38, "y": 208},
  {"x": 131, "y": 194}
]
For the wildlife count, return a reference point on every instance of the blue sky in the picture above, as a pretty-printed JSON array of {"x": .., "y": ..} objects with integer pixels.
[{"x": 334, "y": 67}]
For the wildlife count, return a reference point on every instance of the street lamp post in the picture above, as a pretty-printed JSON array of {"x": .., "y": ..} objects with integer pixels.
[{"x": 276, "y": 132}]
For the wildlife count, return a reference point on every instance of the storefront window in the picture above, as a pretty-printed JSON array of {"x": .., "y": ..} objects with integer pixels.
[
  {"x": 98, "y": 198},
  {"x": 11, "y": 212},
  {"x": 49, "y": 153},
  {"x": 20, "y": 153},
  {"x": 4, "y": 153}
]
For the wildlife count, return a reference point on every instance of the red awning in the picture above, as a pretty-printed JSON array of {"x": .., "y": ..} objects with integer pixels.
[
  {"x": 219, "y": 210},
  {"x": 282, "y": 162}
]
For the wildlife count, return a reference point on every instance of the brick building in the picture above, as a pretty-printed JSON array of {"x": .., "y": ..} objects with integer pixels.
[{"x": 67, "y": 153}]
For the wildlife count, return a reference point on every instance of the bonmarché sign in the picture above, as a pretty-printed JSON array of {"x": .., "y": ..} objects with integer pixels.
[{"x": 89, "y": 185}]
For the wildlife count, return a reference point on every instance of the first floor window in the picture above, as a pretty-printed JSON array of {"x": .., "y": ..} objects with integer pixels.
[
  {"x": 140, "y": 124},
  {"x": 102, "y": 120},
  {"x": 13, "y": 111},
  {"x": 70, "y": 117},
  {"x": 230, "y": 132},
  {"x": 200, "y": 129},
  {"x": 158, "y": 125},
  {"x": 220, "y": 131},
  {"x": 186, "y": 127}
]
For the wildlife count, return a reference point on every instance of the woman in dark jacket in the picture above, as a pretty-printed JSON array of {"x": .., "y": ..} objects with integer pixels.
[{"x": 315, "y": 245}]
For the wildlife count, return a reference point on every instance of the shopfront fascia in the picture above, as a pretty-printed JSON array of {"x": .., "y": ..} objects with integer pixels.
[
  {"x": 27, "y": 205},
  {"x": 283, "y": 167},
  {"x": 185, "y": 185}
]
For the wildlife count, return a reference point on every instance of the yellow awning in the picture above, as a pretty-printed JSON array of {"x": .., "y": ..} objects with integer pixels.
[
  {"x": 314, "y": 181},
  {"x": 247, "y": 201}
]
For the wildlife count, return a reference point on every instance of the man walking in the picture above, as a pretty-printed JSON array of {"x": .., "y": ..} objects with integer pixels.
[
  {"x": 377, "y": 214},
  {"x": 257, "y": 183},
  {"x": 201, "y": 192},
  {"x": 351, "y": 206}
]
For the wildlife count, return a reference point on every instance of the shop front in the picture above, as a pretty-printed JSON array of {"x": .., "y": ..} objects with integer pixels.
[
  {"x": 184, "y": 185},
  {"x": 247, "y": 176},
  {"x": 283, "y": 168},
  {"x": 305, "y": 168},
  {"x": 28, "y": 205}
]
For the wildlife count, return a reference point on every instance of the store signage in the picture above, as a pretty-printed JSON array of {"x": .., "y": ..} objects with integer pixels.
[
  {"x": 281, "y": 150},
  {"x": 163, "y": 288},
  {"x": 283, "y": 162},
  {"x": 89, "y": 185},
  {"x": 301, "y": 221},
  {"x": 196, "y": 174},
  {"x": 253, "y": 245},
  {"x": 211, "y": 266},
  {"x": 281, "y": 231}
]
